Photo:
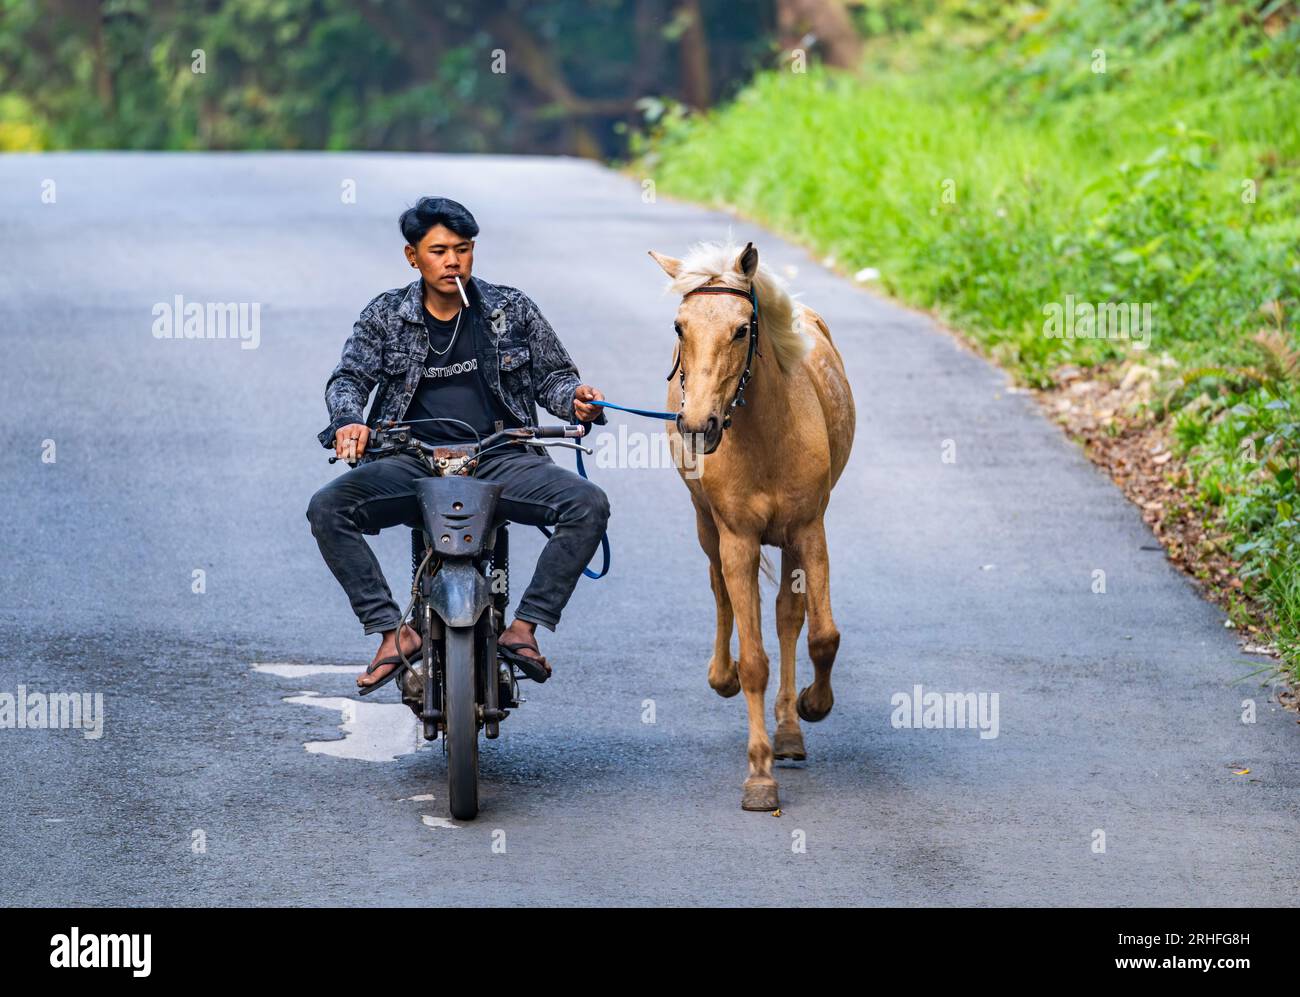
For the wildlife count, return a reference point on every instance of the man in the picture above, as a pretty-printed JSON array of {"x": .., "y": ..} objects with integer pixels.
[{"x": 452, "y": 372}]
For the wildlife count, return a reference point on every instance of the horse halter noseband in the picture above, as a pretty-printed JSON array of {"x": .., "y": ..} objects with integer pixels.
[{"x": 739, "y": 397}]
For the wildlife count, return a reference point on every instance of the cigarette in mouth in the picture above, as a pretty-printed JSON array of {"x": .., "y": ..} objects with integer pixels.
[{"x": 461, "y": 288}]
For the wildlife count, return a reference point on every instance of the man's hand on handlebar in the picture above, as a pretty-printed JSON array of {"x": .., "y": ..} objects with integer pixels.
[{"x": 350, "y": 442}]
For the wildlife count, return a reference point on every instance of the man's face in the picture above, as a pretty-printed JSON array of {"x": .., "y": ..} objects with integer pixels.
[{"x": 441, "y": 256}]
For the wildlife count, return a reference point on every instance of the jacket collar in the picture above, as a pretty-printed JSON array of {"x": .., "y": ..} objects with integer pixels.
[{"x": 479, "y": 292}]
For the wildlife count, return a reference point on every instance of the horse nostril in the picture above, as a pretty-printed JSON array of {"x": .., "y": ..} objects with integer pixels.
[
  {"x": 681, "y": 425},
  {"x": 713, "y": 424}
]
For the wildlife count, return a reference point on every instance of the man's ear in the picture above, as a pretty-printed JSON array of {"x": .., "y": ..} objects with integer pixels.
[
  {"x": 747, "y": 261},
  {"x": 672, "y": 266}
]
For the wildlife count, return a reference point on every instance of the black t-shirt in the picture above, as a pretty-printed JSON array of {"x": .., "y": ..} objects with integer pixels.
[{"x": 452, "y": 386}]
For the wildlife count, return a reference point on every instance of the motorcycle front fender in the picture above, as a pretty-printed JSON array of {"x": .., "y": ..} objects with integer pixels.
[{"x": 459, "y": 593}]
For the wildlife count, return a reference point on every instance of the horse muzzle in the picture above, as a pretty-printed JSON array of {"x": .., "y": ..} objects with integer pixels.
[{"x": 701, "y": 439}]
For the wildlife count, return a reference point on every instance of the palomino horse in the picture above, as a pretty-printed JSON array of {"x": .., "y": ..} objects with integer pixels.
[{"x": 766, "y": 418}]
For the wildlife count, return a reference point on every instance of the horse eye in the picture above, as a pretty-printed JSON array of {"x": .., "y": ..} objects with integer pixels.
[
  {"x": 741, "y": 332},
  {"x": 677, "y": 327}
]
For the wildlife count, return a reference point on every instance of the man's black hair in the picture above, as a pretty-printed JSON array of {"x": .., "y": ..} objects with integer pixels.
[{"x": 431, "y": 211}]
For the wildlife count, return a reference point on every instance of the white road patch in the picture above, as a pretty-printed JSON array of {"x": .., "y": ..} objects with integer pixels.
[
  {"x": 429, "y": 821},
  {"x": 372, "y": 732},
  {"x": 288, "y": 670}
]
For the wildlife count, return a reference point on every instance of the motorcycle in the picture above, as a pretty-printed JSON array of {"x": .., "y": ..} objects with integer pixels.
[{"x": 458, "y": 684}]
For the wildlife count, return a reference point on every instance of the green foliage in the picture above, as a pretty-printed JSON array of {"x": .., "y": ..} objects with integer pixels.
[{"x": 345, "y": 74}]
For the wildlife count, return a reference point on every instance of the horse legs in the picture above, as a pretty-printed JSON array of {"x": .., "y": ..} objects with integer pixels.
[
  {"x": 815, "y": 701},
  {"x": 788, "y": 742},
  {"x": 723, "y": 676},
  {"x": 740, "y": 569}
]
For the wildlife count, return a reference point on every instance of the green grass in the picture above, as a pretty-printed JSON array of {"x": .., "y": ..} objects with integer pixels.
[{"x": 986, "y": 170}]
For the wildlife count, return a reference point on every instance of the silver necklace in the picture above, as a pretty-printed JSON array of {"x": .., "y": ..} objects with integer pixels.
[{"x": 454, "y": 332}]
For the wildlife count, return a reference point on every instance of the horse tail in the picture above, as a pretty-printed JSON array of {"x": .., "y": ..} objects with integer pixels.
[{"x": 765, "y": 566}]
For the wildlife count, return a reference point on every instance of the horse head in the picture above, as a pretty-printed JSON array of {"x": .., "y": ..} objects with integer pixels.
[{"x": 717, "y": 340}]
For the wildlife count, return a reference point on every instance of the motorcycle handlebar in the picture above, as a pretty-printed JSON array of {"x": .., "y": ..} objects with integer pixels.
[{"x": 522, "y": 434}]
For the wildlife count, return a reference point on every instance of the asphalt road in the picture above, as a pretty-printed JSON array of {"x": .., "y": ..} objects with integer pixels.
[{"x": 216, "y": 781}]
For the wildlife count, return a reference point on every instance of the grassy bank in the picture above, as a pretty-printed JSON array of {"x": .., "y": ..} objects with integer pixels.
[{"x": 1003, "y": 164}]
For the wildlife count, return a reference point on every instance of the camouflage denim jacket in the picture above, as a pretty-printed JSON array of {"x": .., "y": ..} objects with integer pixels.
[{"x": 520, "y": 357}]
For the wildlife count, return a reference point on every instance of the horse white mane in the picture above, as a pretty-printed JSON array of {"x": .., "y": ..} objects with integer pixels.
[{"x": 778, "y": 321}]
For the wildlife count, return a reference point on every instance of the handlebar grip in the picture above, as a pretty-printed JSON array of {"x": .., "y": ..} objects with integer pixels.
[{"x": 556, "y": 432}]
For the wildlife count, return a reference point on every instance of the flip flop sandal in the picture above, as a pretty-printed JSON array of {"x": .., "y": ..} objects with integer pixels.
[
  {"x": 392, "y": 659},
  {"x": 534, "y": 668}
]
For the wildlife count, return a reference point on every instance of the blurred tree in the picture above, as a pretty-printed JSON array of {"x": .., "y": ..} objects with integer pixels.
[
  {"x": 821, "y": 25},
  {"x": 494, "y": 75}
]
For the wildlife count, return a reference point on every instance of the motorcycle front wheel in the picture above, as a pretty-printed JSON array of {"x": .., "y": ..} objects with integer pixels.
[{"x": 461, "y": 720}]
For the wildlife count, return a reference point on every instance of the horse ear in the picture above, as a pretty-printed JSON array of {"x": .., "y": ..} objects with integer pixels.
[
  {"x": 747, "y": 261},
  {"x": 672, "y": 266}
]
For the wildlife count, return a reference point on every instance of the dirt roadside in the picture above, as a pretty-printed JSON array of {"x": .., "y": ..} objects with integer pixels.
[{"x": 1106, "y": 410}]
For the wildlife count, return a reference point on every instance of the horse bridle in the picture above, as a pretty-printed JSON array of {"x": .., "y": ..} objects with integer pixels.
[{"x": 739, "y": 397}]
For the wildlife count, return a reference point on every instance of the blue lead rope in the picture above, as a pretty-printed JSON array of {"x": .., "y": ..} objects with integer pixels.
[
  {"x": 604, "y": 537},
  {"x": 582, "y": 470},
  {"x": 637, "y": 411}
]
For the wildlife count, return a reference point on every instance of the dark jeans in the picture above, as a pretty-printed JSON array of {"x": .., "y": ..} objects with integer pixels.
[{"x": 378, "y": 494}]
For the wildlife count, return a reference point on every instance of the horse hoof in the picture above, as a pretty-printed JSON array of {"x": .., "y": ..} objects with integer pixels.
[
  {"x": 806, "y": 711},
  {"x": 789, "y": 744},
  {"x": 760, "y": 796},
  {"x": 728, "y": 688}
]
